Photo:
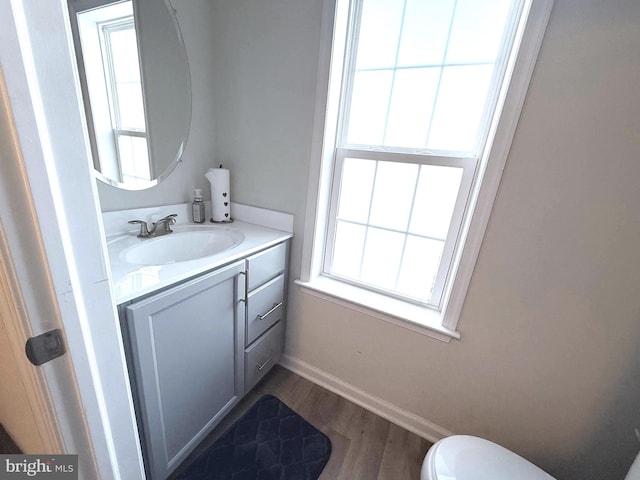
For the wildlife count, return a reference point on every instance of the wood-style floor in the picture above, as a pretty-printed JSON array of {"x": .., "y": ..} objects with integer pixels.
[{"x": 364, "y": 445}]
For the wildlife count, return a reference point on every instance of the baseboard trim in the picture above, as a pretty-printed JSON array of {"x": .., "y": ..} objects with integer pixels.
[{"x": 407, "y": 420}]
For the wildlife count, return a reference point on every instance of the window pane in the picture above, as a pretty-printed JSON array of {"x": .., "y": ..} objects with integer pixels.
[
  {"x": 134, "y": 159},
  {"x": 381, "y": 259},
  {"x": 477, "y": 30},
  {"x": 369, "y": 104},
  {"x": 414, "y": 92},
  {"x": 379, "y": 31},
  {"x": 459, "y": 108},
  {"x": 393, "y": 195},
  {"x": 124, "y": 49},
  {"x": 126, "y": 78},
  {"x": 435, "y": 200},
  {"x": 419, "y": 267},
  {"x": 425, "y": 32},
  {"x": 347, "y": 251},
  {"x": 355, "y": 190},
  {"x": 130, "y": 106}
]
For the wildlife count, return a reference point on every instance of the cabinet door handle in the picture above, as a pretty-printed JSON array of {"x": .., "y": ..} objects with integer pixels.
[
  {"x": 273, "y": 309},
  {"x": 266, "y": 362},
  {"x": 246, "y": 287}
]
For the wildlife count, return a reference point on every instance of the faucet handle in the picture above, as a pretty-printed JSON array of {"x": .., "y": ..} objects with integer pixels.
[
  {"x": 165, "y": 224},
  {"x": 169, "y": 219},
  {"x": 144, "y": 230}
]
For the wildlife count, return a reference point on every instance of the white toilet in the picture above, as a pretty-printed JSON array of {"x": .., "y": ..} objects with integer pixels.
[{"x": 463, "y": 457}]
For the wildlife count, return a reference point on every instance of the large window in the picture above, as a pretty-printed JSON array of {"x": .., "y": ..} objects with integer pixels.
[
  {"x": 420, "y": 88},
  {"x": 416, "y": 92}
]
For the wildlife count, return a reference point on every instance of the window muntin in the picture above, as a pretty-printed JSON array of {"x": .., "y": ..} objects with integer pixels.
[{"x": 415, "y": 111}]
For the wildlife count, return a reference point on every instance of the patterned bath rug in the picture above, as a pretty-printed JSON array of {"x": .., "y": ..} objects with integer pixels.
[{"x": 269, "y": 442}]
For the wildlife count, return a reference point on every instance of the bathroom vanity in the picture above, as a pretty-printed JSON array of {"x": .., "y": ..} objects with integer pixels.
[{"x": 198, "y": 335}]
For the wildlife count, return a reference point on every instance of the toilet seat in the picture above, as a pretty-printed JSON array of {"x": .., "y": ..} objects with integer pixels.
[{"x": 464, "y": 457}]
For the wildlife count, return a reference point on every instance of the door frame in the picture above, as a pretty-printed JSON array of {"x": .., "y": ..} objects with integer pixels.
[{"x": 52, "y": 163}]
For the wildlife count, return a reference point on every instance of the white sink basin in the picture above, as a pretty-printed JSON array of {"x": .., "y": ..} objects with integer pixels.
[{"x": 181, "y": 246}]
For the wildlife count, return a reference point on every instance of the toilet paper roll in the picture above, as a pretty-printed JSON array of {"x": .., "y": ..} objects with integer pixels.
[{"x": 220, "y": 195}]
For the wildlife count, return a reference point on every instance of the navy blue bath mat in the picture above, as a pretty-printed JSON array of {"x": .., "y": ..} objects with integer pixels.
[{"x": 269, "y": 442}]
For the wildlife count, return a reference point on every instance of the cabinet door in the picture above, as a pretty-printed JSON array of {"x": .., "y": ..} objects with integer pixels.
[{"x": 186, "y": 349}]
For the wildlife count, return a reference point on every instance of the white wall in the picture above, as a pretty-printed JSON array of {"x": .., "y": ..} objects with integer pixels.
[
  {"x": 265, "y": 68},
  {"x": 549, "y": 361}
]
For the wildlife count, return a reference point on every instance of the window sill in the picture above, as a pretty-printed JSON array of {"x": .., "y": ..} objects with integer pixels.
[{"x": 422, "y": 320}]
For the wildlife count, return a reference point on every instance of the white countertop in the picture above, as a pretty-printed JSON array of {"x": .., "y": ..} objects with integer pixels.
[{"x": 132, "y": 281}]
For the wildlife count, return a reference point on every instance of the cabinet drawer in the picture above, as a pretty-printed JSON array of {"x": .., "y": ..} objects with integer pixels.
[
  {"x": 262, "y": 355},
  {"x": 265, "y": 307},
  {"x": 265, "y": 265}
]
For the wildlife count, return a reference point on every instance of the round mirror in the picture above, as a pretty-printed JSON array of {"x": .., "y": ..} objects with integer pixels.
[{"x": 136, "y": 88}]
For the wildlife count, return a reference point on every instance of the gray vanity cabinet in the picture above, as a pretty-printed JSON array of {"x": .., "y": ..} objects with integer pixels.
[
  {"x": 187, "y": 355},
  {"x": 196, "y": 348}
]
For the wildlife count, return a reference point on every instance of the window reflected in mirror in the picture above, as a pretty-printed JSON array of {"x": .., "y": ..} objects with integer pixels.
[
  {"x": 134, "y": 76},
  {"x": 114, "y": 87}
]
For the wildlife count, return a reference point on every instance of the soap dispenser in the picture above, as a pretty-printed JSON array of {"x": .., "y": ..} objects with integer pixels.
[{"x": 197, "y": 207}]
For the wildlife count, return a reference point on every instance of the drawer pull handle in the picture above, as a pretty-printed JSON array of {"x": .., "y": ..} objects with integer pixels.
[
  {"x": 273, "y": 309},
  {"x": 266, "y": 362}
]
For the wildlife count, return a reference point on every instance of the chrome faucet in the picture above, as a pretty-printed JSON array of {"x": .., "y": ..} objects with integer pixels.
[{"x": 159, "y": 228}]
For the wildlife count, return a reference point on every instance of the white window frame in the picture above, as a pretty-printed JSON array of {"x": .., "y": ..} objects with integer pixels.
[
  {"x": 106, "y": 29},
  {"x": 438, "y": 323},
  {"x": 118, "y": 130}
]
